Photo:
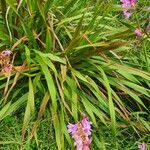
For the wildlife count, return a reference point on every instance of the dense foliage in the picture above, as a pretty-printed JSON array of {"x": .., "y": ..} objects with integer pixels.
[{"x": 71, "y": 57}]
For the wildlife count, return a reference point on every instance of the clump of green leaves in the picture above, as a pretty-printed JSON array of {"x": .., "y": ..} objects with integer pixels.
[{"x": 72, "y": 57}]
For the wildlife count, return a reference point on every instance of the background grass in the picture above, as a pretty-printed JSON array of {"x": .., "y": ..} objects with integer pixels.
[
  {"x": 126, "y": 138},
  {"x": 72, "y": 57}
]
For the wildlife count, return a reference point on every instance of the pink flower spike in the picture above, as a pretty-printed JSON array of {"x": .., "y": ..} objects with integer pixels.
[
  {"x": 81, "y": 132},
  {"x": 138, "y": 32},
  {"x": 142, "y": 146}
]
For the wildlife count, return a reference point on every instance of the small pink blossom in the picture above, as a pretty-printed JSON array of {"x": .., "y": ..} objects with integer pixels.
[
  {"x": 6, "y": 53},
  {"x": 72, "y": 128},
  {"x": 133, "y": 2},
  {"x": 142, "y": 146},
  {"x": 80, "y": 133},
  {"x": 148, "y": 8},
  {"x": 86, "y": 126},
  {"x": 126, "y": 5},
  {"x": 127, "y": 14},
  {"x": 138, "y": 32}
]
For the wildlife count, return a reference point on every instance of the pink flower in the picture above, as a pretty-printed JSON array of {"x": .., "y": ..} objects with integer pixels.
[
  {"x": 127, "y": 14},
  {"x": 86, "y": 126},
  {"x": 6, "y": 53},
  {"x": 126, "y": 5},
  {"x": 148, "y": 8},
  {"x": 142, "y": 146},
  {"x": 138, "y": 32},
  {"x": 72, "y": 128},
  {"x": 80, "y": 133},
  {"x": 132, "y": 2}
]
